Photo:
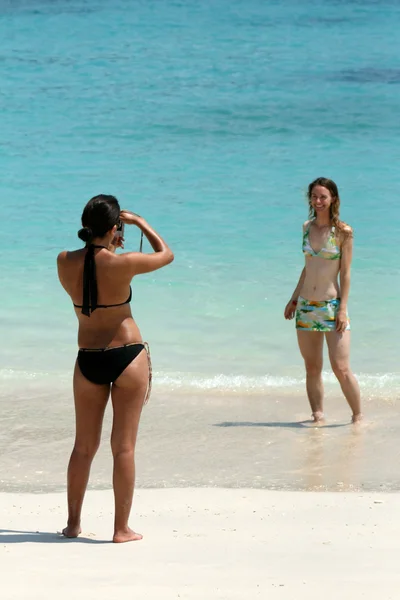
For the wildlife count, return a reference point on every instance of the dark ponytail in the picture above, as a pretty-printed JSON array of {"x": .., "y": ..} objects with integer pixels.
[{"x": 100, "y": 215}]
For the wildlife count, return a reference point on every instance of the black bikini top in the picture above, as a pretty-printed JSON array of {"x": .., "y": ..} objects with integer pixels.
[{"x": 89, "y": 302}]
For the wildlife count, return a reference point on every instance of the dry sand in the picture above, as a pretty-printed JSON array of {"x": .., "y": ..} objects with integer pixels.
[{"x": 205, "y": 544}]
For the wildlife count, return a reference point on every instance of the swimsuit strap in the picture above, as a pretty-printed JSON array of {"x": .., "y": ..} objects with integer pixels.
[
  {"x": 148, "y": 391},
  {"x": 89, "y": 302}
]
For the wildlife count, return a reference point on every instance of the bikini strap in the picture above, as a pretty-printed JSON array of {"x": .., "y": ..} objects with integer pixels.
[{"x": 149, "y": 385}]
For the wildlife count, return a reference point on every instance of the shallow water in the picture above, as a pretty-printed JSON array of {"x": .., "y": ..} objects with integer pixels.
[{"x": 207, "y": 440}]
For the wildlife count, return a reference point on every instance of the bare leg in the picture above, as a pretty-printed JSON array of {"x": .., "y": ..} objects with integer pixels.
[
  {"x": 90, "y": 403},
  {"x": 128, "y": 394},
  {"x": 339, "y": 355},
  {"x": 311, "y": 347}
]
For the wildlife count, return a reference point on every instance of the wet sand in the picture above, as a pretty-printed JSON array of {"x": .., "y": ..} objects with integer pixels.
[{"x": 208, "y": 440}]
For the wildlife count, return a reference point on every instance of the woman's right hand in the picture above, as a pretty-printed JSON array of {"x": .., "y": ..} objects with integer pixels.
[
  {"x": 290, "y": 309},
  {"x": 139, "y": 262},
  {"x": 130, "y": 218}
]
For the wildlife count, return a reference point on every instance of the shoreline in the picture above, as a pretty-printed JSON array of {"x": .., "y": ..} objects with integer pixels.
[{"x": 375, "y": 385}]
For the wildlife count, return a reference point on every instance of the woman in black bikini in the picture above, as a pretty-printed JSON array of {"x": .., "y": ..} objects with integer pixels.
[{"x": 112, "y": 356}]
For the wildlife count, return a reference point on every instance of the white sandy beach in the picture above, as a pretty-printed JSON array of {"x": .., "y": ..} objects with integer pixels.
[{"x": 205, "y": 543}]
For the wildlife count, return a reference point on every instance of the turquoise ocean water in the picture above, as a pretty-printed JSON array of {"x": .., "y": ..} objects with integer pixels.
[{"x": 209, "y": 119}]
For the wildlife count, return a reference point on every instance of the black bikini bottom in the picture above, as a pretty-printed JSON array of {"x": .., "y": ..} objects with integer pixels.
[{"x": 105, "y": 365}]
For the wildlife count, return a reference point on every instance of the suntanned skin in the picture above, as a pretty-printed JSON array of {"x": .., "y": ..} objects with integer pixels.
[
  {"x": 108, "y": 328},
  {"x": 323, "y": 279}
]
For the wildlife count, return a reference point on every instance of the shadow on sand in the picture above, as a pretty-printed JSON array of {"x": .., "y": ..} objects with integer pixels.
[
  {"x": 12, "y": 536},
  {"x": 290, "y": 424}
]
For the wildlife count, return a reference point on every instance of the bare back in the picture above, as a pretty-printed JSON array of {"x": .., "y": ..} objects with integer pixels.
[{"x": 105, "y": 327}]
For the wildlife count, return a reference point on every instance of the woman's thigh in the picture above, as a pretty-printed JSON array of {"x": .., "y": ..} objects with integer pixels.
[
  {"x": 339, "y": 348},
  {"x": 128, "y": 394},
  {"x": 311, "y": 345},
  {"x": 90, "y": 403}
]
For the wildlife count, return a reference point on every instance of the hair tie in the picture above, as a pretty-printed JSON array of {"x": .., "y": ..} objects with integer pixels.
[{"x": 85, "y": 234}]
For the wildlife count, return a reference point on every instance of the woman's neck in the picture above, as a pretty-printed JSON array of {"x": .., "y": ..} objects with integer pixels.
[
  {"x": 322, "y": 220},
  {"x": 104, "y": 241}
]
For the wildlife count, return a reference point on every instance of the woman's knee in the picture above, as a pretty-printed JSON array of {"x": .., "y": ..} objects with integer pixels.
[
  {"x": 313, "y": 369},
  {"x": 122, "y": 448},
  {"x": 85, "y": 449},
  {"x": 341, "y": 369}
]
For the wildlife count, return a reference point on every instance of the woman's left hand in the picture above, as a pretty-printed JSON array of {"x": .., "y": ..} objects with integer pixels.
[
  {"x": 341, "y": 320},
  {"x": 118, "y": 242}
]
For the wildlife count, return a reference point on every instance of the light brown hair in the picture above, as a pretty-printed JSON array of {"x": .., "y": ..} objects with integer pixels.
[{"x": 342, "y": 227}]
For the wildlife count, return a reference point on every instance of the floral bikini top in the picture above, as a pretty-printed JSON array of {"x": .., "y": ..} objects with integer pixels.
[{"x": 330, "y": 252}]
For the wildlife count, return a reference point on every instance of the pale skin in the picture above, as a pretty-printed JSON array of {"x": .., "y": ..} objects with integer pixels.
[
  {"x": 108, "y": 328},
  {"x": 319, "y": 280}
]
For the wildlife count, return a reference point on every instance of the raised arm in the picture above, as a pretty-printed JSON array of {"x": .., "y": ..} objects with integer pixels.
[
  {"x": 61, "y": 258},
  {"x": 145, "y": 263}
]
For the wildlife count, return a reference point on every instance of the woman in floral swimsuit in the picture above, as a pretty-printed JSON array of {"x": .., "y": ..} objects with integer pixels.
[{"x": 319, "y": 303}]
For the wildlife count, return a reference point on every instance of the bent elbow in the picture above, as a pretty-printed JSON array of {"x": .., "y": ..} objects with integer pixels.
[{"x": 170, "y": 257}]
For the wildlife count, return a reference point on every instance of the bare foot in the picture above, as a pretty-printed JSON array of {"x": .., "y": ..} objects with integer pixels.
[
  {"x": 318, "y": 417},
  {"x": 127, "y": 535},
  {"x": 71, "y": 531},
  {"x": 357, "y": 418}
]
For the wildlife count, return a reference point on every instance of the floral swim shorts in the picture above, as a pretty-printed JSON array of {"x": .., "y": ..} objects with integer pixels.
[{"x": 313, "y": 315}]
